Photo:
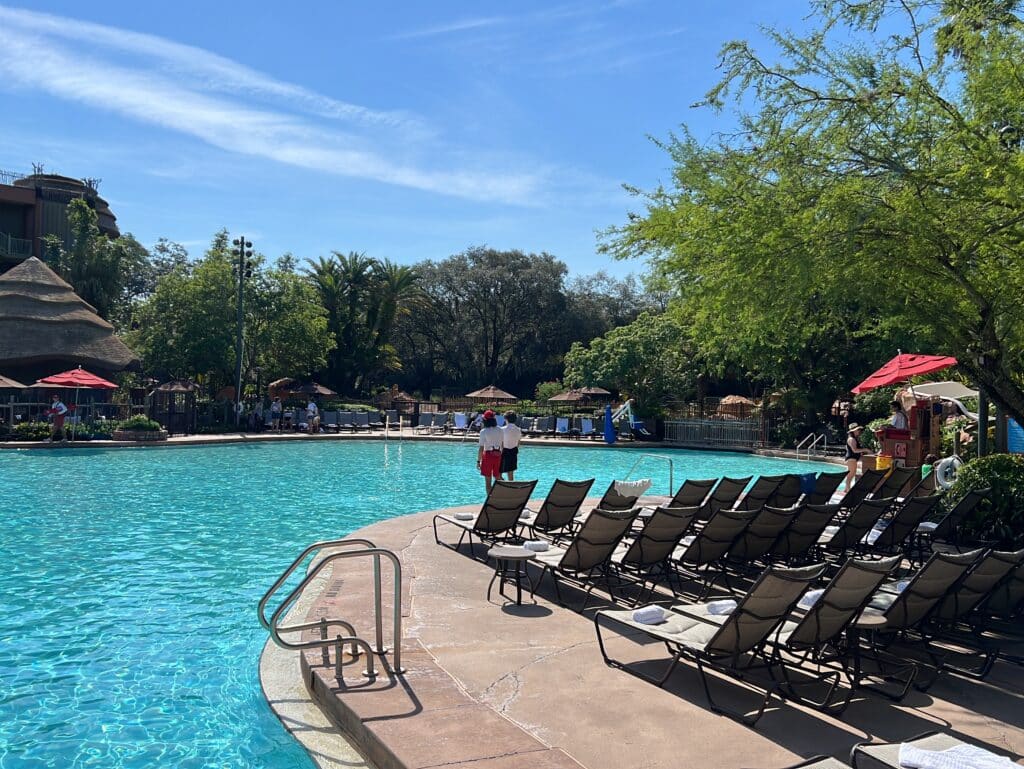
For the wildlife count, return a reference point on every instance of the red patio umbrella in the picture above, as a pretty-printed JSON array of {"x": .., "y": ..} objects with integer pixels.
[
  {"x": 903, "y": 367},
  {"x": 78, "y": 378}
]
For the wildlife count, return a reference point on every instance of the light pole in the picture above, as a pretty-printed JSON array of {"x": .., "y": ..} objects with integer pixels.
[{"x": 243, "y": 253}]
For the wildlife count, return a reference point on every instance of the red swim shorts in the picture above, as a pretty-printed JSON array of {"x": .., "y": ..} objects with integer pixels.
[{"x": 490, "y": 465}]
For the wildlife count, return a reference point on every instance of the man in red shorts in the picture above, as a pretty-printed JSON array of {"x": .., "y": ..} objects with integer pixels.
[{"x": 488, "y": 456}]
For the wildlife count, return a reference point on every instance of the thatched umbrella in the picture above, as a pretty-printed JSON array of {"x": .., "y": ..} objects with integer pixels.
[
  {"x": 736, "y": 406},
  {"x": 570, "y": 396},
  {"x": 44, "y": 326},
  {"x": 595, "y": 392},
  {"x": 491, "y": 393},
  {"x": 6, "y": 383},
  {"x": 314, "y": 389}
]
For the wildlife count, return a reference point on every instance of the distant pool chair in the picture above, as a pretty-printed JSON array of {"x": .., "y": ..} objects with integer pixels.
[{"x": 497, "y": 519}]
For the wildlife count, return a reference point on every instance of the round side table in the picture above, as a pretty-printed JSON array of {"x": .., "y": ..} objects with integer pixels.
[{"x": 510, "y": 569}]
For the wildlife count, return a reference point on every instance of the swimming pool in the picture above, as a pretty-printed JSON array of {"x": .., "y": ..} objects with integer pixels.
[{"x": 131, "y": 577}]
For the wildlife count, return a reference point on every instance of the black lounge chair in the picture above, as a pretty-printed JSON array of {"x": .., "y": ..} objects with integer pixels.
[
  {"x": 902, "y": 525},
  {"x": 708, "y": 547},
  {"x": 497, "y": 519},
  {"x": 787, "y": 493},
  {"x": 757, "y": 539},
  {"x": 886, "y": 755},
  {"x": 725, "y": 495},
  {"x": 944, "y": 533},
  {"x": 425, "y": 422},
  {"x": 850, "y": 532},
  {"x": 762, "y": 490},
  {"x": 799, "y": 540},
  {"x": 557, "y": 514},
  {"x": 646, "y": 556},
  {"x": 824, "y": 487},
  {"x": 862, "y": 488},
  {"x": 896, "y": 481},
  {"x": 361, "y": 420},
  {"x": 729, "y": 644},
  {"x": 584, "y": 560},
  {"x": 613, "y": 501},
  {"x": 692, "y": 493}
]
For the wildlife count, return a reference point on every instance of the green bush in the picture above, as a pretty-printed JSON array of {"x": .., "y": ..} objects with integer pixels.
[
  {"x": 31, "y": 431},
  {"x": 140, "y": 422},
  {"x": 1000, "y": 518},
  {"x": 872, "y": 404},
  {"x": 867, "y": 438}
]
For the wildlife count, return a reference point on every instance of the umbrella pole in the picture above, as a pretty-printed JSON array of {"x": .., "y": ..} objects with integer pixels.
[{"x": 74, "y": 422}]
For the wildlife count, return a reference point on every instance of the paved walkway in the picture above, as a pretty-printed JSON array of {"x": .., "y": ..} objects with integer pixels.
[{"x": 492, "y": 686}]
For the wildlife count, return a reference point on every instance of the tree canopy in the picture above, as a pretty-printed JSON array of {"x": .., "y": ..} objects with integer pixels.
[{"x": 872, "y": 192}]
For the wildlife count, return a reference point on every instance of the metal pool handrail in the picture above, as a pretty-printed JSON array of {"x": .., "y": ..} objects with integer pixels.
[
  {"x": 671, "y": 469},
  {"x": 369, "y": 549}
]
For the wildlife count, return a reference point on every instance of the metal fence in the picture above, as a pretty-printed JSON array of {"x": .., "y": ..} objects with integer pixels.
[{"x": 722, "y": 433}]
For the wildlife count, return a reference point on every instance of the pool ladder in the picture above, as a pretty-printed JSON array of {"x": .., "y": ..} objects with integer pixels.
[
  {"x": 663, "y": 458},
  {"x": 346, "y": 549}
]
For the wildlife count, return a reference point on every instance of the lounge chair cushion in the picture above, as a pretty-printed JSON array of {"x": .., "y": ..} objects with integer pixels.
[{"x": 692, "y": 629}]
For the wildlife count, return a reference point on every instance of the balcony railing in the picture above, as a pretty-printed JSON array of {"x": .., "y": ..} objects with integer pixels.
[{"x": 16, "y": 247}]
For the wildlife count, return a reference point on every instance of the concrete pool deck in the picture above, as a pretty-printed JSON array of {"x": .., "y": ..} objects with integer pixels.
[{"x": 495, "y": 686}]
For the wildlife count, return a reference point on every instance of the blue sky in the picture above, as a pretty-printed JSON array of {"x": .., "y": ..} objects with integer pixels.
[{"x": 404, "y": 130}]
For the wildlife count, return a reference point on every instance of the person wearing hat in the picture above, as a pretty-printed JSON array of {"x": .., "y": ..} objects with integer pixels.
[
  {"x": 854, "y": 451},
  {"x": 488, "y": 455}
]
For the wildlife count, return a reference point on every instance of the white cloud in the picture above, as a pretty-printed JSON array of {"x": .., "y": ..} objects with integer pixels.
[
  {"x": 447, "y": 29},
  {"x": 39, "y": 52}
]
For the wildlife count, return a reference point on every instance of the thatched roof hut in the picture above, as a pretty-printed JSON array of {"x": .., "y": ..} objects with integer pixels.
[{"x": 46, "y": 327}]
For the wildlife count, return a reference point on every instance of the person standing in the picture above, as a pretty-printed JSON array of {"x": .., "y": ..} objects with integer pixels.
[
  {"x": 58, "y": 411},
  {"x": 898, "y": 420},
  {"x": 511, "y": 434},
  {"x": 313, "y": 417},
  {"x": 488, "y": 455},
  {"x": 854, "y": 451},
  {"x": 275, "y": 414},
  {"x": 258, "y": 415}
]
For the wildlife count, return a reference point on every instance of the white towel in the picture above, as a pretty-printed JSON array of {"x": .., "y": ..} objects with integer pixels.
[
  {"x": 872, "y": 536},
  {"x": 633, "y": 488},
  {"x": 536, "y": 545},
  {"x": 721, "y": 607},
  {"x": 649, "y": 615},
  {"x": 465, "y": 516},
  {"x": 928, "y": 526},
  {"x": 960, "y": 757},
  {"x": 810, "y": 598}
]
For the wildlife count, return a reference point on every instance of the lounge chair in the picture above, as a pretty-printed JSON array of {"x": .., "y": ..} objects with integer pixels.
[
  {"x": 346, "y": 421},
  {"x": 905, "y": 605},
  {"x": 709, "y": 545},
  {"x": 641, "y": 433},
  {"x": 392, "y": 420},
  {"x": 646, "y": 556},
  {"x": 497, "y": 519},
  {"x": 865, "y": 484},
  {"x": 562, "y": 427},
  {"x": 904, "y": 522},
  {"x": 757, "y": 539},
  {"x": 439, "y": 423},
  {"x": 787, "y": 493},
  {"x": 729, "y": 644},
  {"x": 614, "y": 501},
  {"x": 584, "y": 560},
  {"x": 850, "y": 532},
  {"x": 377, "y": 421},
  {"x": 818, "y": 626},
  {"x": 762, "y": 490},
  {"x": 425, "y": 422},
  {"x": 500, "y": 419},
  {"x": 824, "y": 487},
  {"x": 692, "y": 493},
  {"x": 896, "y": 481},
  {"x": 799, "y": 539},
  {"x": 329, "y": 422},
  {"x": 559, "y": 510},
  {"x": 361, "y": 420},
  {"x": 460, "y": 423},
  {"x": 886, "y": 755},
  {"x": 725, "y": 495},
  {"x": 944, "y": 533},
  {"x": 587, "y": 428}
]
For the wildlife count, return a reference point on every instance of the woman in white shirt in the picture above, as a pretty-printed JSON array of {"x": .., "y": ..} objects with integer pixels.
[{"x": 488, "y": 455}]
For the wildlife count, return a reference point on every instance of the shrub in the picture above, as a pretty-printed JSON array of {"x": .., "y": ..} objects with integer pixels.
[
  {"x": 872, "y": 404},
  {"x": 141, "y": 423},
  {"x": 999, "y": 518},
  {"x": 31, "y": 431},
  {"x": 867, "y": 438}
]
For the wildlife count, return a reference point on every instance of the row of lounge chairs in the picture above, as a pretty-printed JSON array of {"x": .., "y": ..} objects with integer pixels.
[
  {"x": 533, "y": 427},
  {"x": 815, "y": 577}
]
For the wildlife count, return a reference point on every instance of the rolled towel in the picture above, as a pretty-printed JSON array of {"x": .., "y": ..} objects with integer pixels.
[
  {"x": 810, "y": 598},
  {"x": 649, "y": 615},
  {"x": 959, "y": 757},
  {"x": 465, "y": 516},
  {"x": 536, "y": 545},
  {"x": 721, "y": 607},
  {"x": 633, "y": 488}
]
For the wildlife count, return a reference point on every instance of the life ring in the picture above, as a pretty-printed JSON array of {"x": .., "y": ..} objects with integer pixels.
[{"x": 946, "y": 469}]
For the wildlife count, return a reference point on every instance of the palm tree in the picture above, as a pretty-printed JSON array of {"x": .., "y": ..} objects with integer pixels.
[{"x": 396, "y": 290}]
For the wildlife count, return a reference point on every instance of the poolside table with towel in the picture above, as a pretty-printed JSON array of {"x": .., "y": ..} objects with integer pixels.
[{"x": 510, "y": 569}]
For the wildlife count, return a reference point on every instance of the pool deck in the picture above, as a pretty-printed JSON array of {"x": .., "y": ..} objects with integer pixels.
[{"x": 490, "y": 685}]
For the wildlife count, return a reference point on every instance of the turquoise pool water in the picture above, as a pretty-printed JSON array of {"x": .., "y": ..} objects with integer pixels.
[{"x": 130, "y": 580}]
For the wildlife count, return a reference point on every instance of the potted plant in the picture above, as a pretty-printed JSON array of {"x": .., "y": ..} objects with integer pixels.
[{"x": 140, "y": 428}]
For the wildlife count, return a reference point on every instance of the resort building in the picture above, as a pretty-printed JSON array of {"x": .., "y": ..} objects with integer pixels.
[{"x": 34, "y": 206}]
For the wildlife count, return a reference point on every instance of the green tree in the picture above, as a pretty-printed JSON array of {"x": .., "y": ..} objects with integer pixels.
[
  {"x": 649, "y": 360},
  {"x": 875, "y": 181}
]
